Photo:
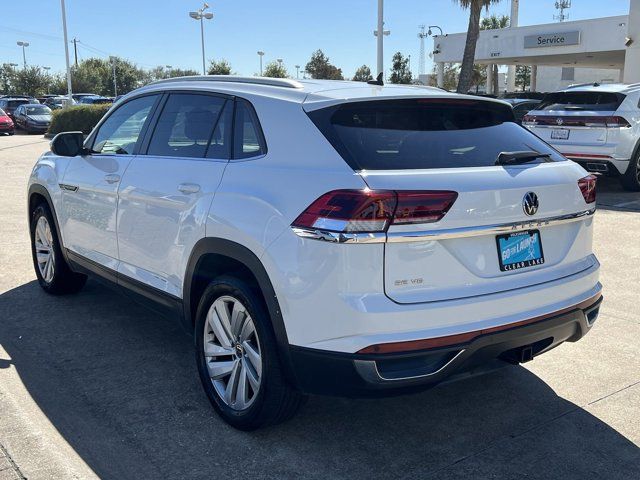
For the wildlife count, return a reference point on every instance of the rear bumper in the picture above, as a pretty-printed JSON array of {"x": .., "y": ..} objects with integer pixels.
[{"x": 362, "y": 375}]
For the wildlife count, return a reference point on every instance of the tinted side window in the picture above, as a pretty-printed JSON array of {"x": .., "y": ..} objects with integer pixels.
[
  {"x": 120, "y": 131},
  {"x": 186, "y": 125},
  {"x": 248, "y": 140}
]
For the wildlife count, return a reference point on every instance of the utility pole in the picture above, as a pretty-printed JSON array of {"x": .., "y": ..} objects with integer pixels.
[
  {"x": 66, "y": 51},
  {"x": 115, "y": 85},
  {"x": 380, "y": 32},
  {"x": 75, "y": 50}
]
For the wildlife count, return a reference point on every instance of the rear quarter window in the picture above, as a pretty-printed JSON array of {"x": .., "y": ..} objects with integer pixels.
[{"x": 425, "y": 133}]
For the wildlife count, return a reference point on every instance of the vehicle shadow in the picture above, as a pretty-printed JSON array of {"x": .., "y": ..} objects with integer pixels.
[
  {"x": 120, "y": 385},
  {"x": 611, "y": 196}
]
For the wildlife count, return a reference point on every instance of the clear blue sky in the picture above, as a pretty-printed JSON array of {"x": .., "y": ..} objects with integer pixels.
[{"x": 160, "y": 32}]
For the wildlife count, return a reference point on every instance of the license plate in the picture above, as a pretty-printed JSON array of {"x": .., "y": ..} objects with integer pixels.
[
  {"x": 560, "y": 134},
  {"x": 519, "y": 250}
]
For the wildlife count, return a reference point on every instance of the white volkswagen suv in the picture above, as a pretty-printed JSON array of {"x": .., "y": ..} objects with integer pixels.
[
  {"x": 323, "y": 237},
  {"x": 596, "y": 125}
]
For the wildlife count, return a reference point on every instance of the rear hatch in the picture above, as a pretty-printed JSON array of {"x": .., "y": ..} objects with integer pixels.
[
  {"x": 577, "y": 119},
  {"x": 484, "y": 241}
]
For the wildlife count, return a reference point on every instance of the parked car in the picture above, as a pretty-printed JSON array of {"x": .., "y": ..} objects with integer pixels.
[
  {"x": 522, "y": 106},
  {"x": 597, "y": 126},
  {"x": 322, "y": 236},
  {"x": 6, "y": 124},
  {"x": 94, "y": 100},
  {"x": 78, "y": 96},
  {"x": 9, "y": 105},
  {"x": 33, "y": 118},
  {"x": 56, "y": 103}
]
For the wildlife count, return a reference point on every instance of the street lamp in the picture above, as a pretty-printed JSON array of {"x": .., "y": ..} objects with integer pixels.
[
  {"x": 260, "y": 54},
  {"x": 429, "y": 32},
  {"x": 46, "y": 69},
  {"x": 201, "y": 15},
  {"x": 297, "y": 71},
  {"x": 113, "y": 65},
  {"x": 24, "y": 45}
]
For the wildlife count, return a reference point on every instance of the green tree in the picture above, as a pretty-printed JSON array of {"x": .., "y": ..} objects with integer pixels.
[
  {"x": 220, "y": 67},
  {"x": 363, "y": 74},
  {"x": 275, "y": 70},
  {"x": 523, "y": 76},
  {"x": 7, "y": 79},
  {"x": 468, "y": 59},
  {"x": 400, "y": 72},
  {"x": 31, "y": 81},
  {"x": 319, "y": 67},
  {"x": 494, "y": 22},
  {"x": 451, "y": 74}
]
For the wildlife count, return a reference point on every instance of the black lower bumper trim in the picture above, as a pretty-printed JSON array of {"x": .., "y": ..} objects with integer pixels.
[{"x": 365, "y": 375}]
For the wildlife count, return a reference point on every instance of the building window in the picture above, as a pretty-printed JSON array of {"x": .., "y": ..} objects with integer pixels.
[{"x": 568, "y": 73}]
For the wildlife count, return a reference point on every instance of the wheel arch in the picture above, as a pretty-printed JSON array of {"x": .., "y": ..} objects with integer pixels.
[
  {"x": 212, "y": 257},
  {"x": 37, "y": 195}
]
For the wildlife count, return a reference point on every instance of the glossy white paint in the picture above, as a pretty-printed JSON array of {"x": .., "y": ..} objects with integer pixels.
[
  {"x": 617, "y": 143},
  {"x": 88, "y": 215},
  {"x": 332, "y": 296},
  {"x": 158, "y": 224}
]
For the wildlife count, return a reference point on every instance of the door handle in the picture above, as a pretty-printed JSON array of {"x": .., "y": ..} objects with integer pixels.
[
  {"x": 189, "y": 188},
  {"x": 112, "y": 178}
]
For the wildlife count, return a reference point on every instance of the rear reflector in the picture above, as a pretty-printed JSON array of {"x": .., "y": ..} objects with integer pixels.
[
  {"x": 588, "y": 188},
  {"x": 365, "y": 211}
]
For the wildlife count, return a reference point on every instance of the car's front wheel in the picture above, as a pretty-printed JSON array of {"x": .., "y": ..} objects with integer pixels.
[
  {"x": 631, "y": 178},
  {"x": 54, "y": 275},
  {"x": 237, "y": 357}
]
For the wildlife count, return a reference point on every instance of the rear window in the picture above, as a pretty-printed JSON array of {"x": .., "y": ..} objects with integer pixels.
[
  {"x": 16, "y": 103},
  {"x": 576, "y": 101},
  {"x": 424, "y": 133}
]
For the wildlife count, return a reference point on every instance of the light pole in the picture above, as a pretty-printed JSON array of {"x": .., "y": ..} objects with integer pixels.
[
  {"x": 24, "y": 45},
  {"x": 113, "y": 66},
  {"x": 260, "y": 54},
  {"x": 297, "y": 71},
  {"x": 201, "y": 15},
  {"x": 66, "y": 51},
  {"x": 46, "y": 69},
  {"x": 380, "y": 33}
]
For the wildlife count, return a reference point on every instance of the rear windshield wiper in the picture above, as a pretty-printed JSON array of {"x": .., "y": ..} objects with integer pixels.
[{"x": 518, "y": 158}]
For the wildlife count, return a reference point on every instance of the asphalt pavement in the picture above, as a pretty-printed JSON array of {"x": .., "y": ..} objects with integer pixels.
[{"x": 93, "y": 385}]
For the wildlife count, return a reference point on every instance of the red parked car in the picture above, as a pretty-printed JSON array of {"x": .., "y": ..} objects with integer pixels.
[{"x": 6, "y": 124}]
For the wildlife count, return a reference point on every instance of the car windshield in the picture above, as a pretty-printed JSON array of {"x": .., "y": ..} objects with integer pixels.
[
  {"x": 590, "y": 101},
  {"x": 425, "y": 133},
  {"x": 39, "y": 110}
]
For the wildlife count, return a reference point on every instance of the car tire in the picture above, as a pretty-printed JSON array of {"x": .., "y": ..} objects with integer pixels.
[
  {"x": 52, "y": 270},
  {"x": 631, "y": 178},
  {"x": 237, "y": 357},
  {"x": 11, "y": 133}
]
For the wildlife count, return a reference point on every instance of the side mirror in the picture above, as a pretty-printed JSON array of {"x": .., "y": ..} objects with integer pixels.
[{"x": 68, "y": 144}]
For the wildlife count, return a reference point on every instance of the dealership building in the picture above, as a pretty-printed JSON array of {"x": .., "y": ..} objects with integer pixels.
[{"x": 602, "y": 50}]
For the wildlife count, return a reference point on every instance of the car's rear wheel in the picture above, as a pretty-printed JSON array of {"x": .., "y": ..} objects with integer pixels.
[
  {"x": 54, "y": 275},
  {"x": 631, "y": 178},
  {"x": 237, "y": 357}
]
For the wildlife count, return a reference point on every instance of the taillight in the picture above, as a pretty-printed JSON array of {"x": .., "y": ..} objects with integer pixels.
[
  {"x": 617, "y": 122},
  {"x": 588, "y": 188},
  {"x": 529, "y": 120},
  {"x": 365, "y": 211}
]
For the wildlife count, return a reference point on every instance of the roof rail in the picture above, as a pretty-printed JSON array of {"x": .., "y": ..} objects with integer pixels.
[
  {"x": 273, "y": 82},
  {"x": 588, "y": 84}
]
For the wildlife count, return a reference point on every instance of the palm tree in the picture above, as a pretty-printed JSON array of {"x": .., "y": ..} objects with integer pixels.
[
  {"x": 466, "y": 72},
  {"x": 493, "y": 23}
]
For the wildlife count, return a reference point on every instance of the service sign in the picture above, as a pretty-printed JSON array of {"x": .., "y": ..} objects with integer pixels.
[{"x": 552, "y": 40}]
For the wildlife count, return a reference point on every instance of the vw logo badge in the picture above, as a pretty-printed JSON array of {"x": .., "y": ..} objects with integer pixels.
[
  {"x": 530, "y": 203},
  {"x": 559, "y": 121}
]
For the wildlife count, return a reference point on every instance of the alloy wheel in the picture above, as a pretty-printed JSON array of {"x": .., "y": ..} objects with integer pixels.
[
  {"x": 43, "y": 242},
  {"x": 232, "y": 352}
]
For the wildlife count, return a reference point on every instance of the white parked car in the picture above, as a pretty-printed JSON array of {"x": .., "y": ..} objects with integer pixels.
[
  {"x": 596, "y": 125},
  {"x": 323, "y": 237}
]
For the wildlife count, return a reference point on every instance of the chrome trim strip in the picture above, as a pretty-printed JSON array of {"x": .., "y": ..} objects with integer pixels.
[
  {"x": 445, "y": 234},
  {"x": 369, "y": 370},
  {"x": 337, "y": 237}
]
